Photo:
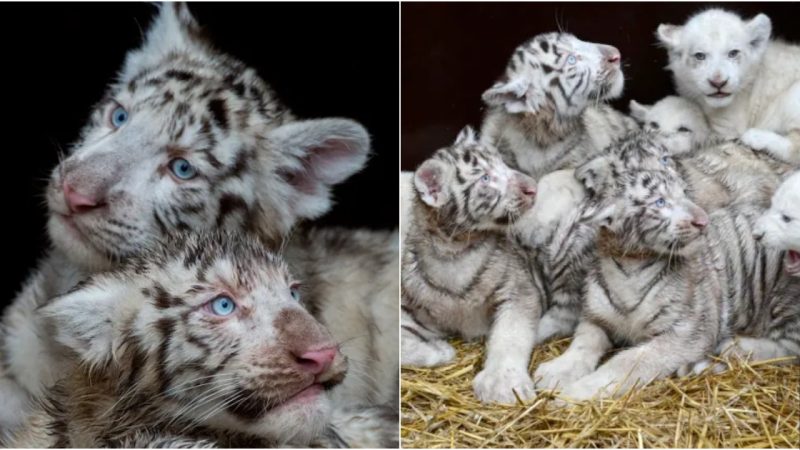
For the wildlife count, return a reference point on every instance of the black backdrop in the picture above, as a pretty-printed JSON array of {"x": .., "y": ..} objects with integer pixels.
[
  {"x": 322, "y": 60},
  {"x": 453, "y": 52}
]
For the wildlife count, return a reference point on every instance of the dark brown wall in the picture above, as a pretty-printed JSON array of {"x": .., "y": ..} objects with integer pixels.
[{"x": 451, "y": 53}]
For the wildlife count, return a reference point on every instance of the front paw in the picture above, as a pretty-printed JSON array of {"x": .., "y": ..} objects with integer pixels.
[
  {"x": 699, "y": 367},
  {"x": 767, "y": 141},
  {"x": 498, "y": 385},
  {"x": 427, "y": 354},
  {"x": 559, "y": 372}
]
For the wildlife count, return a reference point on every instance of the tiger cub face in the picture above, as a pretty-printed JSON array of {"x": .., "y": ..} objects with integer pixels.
[
  {"x": 560, "y": 72},
  {"x": 644, "y": 206},
  {"x": 468, "y": 187},
  {"x": 211, "y": 328},
  {"x": 188, "y": 138},
  {"x": 679, "y": 123},
  {"x": 779, "y": 226}
]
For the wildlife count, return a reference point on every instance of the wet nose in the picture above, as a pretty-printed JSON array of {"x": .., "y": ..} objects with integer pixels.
[
  {"x": 317, "y": 361},
  {"x": 699, "y": 218},
  {"x": 718, "y": 83},
  {"x": 78, "y": 203},
  {"x": 611, "y": 54}
]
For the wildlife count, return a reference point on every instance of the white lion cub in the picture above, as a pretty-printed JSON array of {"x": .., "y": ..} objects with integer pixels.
[
  {"x": 679, "y": 123},
  {"x": 779, "y": 226},
  {"x": 747, "y": 85}
]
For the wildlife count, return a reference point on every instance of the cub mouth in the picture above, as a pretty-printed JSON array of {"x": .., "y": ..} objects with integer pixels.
[
  {"x": 792, "y": 264},
  {"x": 719, "y": 94}
]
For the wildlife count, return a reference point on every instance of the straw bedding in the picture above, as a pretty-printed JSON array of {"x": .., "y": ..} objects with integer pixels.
[{"x": 749, "y": 406}]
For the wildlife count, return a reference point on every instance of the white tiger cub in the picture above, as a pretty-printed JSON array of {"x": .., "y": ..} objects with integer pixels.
[
  {"x": 545, "y": 113},
  {"x": 747, "y": 85},
  {"x": 460, "y": 273},
  {"x": 671, "y": 284},
  {"x": 202, "y": 342},
  {"x": 678, "y": 122},
  {"x": 186, "y": 139},
  {"x": 779, "y": 226}
]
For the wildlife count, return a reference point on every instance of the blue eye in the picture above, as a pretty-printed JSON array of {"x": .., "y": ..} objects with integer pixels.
[
  {"x": 485, "y": 178},
  {"x": 660, "y": 203},
  {"x": 664, "y": 160},
  {"x": 119, "y": 116},
  {"x": 571, "y": 59},
  {"x": 295, "y": 291},
  {"x": 223, "y": 306},
  {"x": 182, "y": 169}
]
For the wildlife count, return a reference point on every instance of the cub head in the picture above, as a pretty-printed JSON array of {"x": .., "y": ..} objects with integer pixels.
[
  {"x": 779, "y": 226},
  {"x": 715, "y": 54},
  {"x": 467, "y": 187},
  {"x": 558, "y": 73},
  {"x": 189, "y": 139},
  {"x": 679, "y": 123},
  {"x": 213, "y": 327},
  {"x": 645, "y": 207}
]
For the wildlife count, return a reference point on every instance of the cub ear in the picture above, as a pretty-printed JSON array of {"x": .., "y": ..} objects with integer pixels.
[
  {"x": 594, "y": 175},
  {"x": 173, "y": 29},
  {"x": 760, "y": 29},
  {"x": 87, "y": 319},
  {"x": 430, "y": 180},
  {"x": 318, "y": 154},
  {"x": 466, "y": 136},
  {"x": 515, "y": 95},
  {"x": 669, "y": 35},
  {"x": 638, "y": 111}
]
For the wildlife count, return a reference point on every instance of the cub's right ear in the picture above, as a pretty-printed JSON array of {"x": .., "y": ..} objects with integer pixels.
[
  {"x": 669, "y": 35},
  {"x": 638, "y": 111},
  {"x": 430, "y": 180},
  {"x": 593, "y": 175}
]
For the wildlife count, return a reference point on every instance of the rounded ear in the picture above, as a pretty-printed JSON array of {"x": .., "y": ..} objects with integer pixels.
[
  {"x": 669, "y": 35},
  {"x": 760, "y": 29},
  {"x": 594, "y": 174},
  {"x": 514, "y": 95},
  {"x": 430, "y": 181},
  {"x": 173, "y": 29},
  {"x": 318, "y": 154},
  {"x": 466, "y": 136},
  {"x": 638, "y": 111}
]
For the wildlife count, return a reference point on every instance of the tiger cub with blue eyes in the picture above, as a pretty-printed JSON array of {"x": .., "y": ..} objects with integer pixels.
[
  {"x": 461, "y": 275},
  {"x": 201, "y": 342},
  {"x": 546, "y": 112},
  {"x": 672, "y": 284},
  {"x": 189, "y": 139}
]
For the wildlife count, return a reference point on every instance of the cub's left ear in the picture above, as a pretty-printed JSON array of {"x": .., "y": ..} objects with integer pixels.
[
  {"x": 516, "y": 95},
  {"x": 87, "y": 320},
  {"x": 173, "y": 29},
  {"x": 760, "y": 29},
  {"x": 318, "y": 154},
  {"x": 466, "y": 136},
  {"x": 669, "y": 35},
  {"x": 638, "y": 111}
]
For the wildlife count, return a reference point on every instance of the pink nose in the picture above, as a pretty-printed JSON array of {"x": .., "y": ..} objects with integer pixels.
[
  {"x": 700, "y": 222},
  {"x": 76, "y": 202},
  {"x": 613, "y": 58},
  {"x": 317, "y": 361}
]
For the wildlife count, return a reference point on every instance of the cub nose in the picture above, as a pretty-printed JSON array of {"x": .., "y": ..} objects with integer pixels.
[
  {"x": 611, "y": 54},
  {"x": 717, "y": 83},
  {"x": 78, "y": 203},
  {"x": 317, "y": 361}
]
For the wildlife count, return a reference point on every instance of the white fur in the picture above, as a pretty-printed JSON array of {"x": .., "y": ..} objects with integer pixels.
[
  {"x": 774, "y": 229},
  {"x": 679, "y": 123},
  {"x": 762, "y": 80}
]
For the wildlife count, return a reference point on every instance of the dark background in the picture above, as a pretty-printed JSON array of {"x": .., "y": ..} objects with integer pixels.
[
  {"x": 321, "y": 59},
  {"x": 453, "y": 52}
]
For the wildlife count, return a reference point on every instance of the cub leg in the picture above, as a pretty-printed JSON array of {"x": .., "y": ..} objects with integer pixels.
[
  {"x": 422, "y": 345},
  {"x": 588, "y": 345}
]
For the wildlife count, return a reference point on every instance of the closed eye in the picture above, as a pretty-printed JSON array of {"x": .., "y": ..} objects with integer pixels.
[
  {"x": 654, "y": 125},
  {"x": 684, "y": 130},
  {"x": 786, "y": 218}
]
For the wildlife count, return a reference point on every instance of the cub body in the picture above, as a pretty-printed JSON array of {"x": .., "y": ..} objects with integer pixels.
[
  {"x": 461, "y": 275},
  {"x": 747, "y": 85},
  {"x": 544, "y": 114}
]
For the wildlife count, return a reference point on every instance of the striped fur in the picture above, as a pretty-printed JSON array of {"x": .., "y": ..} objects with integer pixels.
[
  {"x": 672, "y": 285},
  {"x": 155, "y": 361},
  {"x": 545, "y": 113},
  {"x": 254, "y": 168},
  {"x": 461, "y": 275}
]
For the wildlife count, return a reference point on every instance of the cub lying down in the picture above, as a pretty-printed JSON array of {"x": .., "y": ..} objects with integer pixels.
[
  {"x": 461, "y": 275},
  {"x": 204, "y": 342},
  {"x": 672, "y": 284}
]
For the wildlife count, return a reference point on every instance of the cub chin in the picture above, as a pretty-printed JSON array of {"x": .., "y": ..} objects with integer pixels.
[
  {"x": 461, "y": 275},
  {"x": 202, "y": 342}
]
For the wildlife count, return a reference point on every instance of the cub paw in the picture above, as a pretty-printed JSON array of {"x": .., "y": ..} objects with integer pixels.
[
  {"x": 427, "y": 354},
  {"x": 497, "y": 385},
  {"x": 699, "y": 367},
  {"x": 768, "y": 141},
  {"x": 559, "y": 372}
]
